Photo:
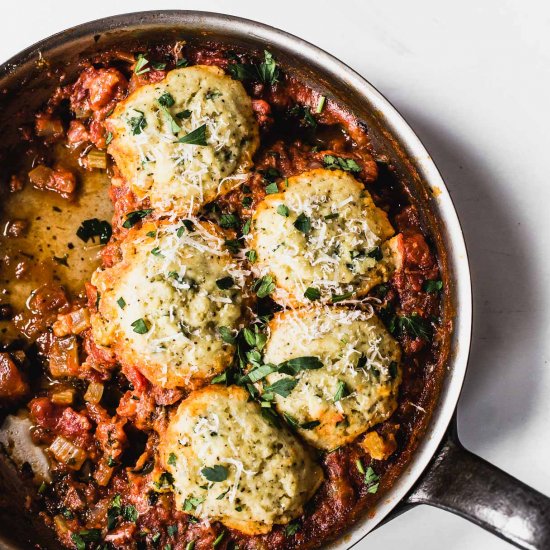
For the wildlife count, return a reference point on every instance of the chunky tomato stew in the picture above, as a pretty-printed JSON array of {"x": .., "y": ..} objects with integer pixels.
[{"x": 96, "y": 422}]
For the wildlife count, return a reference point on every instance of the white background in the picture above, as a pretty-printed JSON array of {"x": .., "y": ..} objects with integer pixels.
[{"x": 473, "y": 79}]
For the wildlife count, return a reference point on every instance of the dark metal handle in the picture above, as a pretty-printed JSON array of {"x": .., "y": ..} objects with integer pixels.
[{"x": 465, "y": 484}]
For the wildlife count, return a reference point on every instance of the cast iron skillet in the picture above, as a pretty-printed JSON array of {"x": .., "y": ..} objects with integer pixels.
[{"x": 442, "y": 473}]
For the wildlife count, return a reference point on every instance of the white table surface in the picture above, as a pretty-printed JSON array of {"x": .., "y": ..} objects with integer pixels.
[{"x": 472, "y": 78}]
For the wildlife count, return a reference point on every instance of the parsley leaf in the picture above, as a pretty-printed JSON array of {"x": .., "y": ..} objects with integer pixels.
[
  {"x": 414, "y": 325},
  {"x": 372, "y": 480},
  {"x": 172, "y": 459},
  {"x": 283, "y": 210},
  {"x": 251, "y": 255},
  {"x": 225, "y": 283},
  {"x": 341, "y": 297},
  {"x": 196, "y": 137},
  {"x": 228, "y": 221},
  {"x": 292, "y": 528},
  {"x": 141, "y": 65},
  {"x": 268, "y": 71},
  {"x": 297, "y": 364},
  {"x": 303, "y": 224},
  {"x": 94, "y": 228},
  {"x": 432, "y": 286},
  {"x": 341, "y": 391},
  {"x": 227, "y": 335},
  {"x": 312, "y": 293},
  {"x": 215, "y": 473},
  {"x": 282, "y": 387},
  {"x": 137, "y": 123},
  {"x": 166, "y": 99},
  {"x": 271, "y": 188},
  {"x": 134, "y": 217},
  {"x": 264, "y": 286},
  {"x": 333, "y": 162},
  {"x": 121, "y": 303},
  {"x": 129, "y": 513},
  {"x": 140, "y": 326},
  {"x": 375, "y": 253}
]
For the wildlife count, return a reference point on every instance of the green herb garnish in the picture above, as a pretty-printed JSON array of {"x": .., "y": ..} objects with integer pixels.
[
  {"x": 196, "y": 137},
  {"x": 303, "y": 224},
  {"x": 432, "y": 286},
  {"x": 225, "y": 283},
  {"x": 134, "y": 217},
  {"x": 339, "y": 163},
  {"x": 215, "y": 473},
  {"x": 312, "y": 293},
  {"x": 140, "y": 326},
  {"x": 89, "y": 229}
]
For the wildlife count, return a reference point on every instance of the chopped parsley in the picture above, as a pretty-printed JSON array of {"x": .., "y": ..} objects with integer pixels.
[
  {"x": 141, "y": 65},
  {"x": 227, "y": 335},
  {"x": 341, "y": 391},
  {"x": 303, "y": 224},
  {"x": 137, "y": 123},
  {"x": 292, "y": 528},
  {"x": 186, "y": 113},
  {"x": 414, "y": 325},
  {"x": 266, "y": 72},
  {"x": 233, "y": 245},
  {"x": 332, "y": 216},
  {"x": 228, "y": 221},
  {"x": 129, "y": 513},
  {"x": 220, "y": 379},
  {"x": 371, "y": 481},
  {"x": 283, "y": 210},
  {"x": 166, "y": 99},
  {"x": 89, "y": 229},
  {"x": 246, "y": 228},
  {"x": 196, "y": 137},
  {"x": 375, "y": 253},
  {"x": 134, "y": 217},
  {"x": 158, "y": 65},
  {"x": 333, "y": 162},
  {"x": 121, "y": 303},
  {"x": 140, "y": 326},
  {"x": 191, "y": 503},
  {"x": 251, "y": 255},
  {"x": 225, "y": 283},
  {"x": 182, "y": 62},
  {"x": 156, "y": 252},
  {"x": 172, "y": 459},
  {"x": 312, "y": 293},
  {"x": 264, "y": 286},
  {"x": 282, "y": 387},
  {"x": 215, "y": 473},
  {"x": 297, "y": 364},
  {"x": 271, "y": 188},
  {"x": 341, "y": 297},
  {"x": 432, "y": 286},
  {"x": 108, "y": 138},
  {"x": 190, "y": 545}
]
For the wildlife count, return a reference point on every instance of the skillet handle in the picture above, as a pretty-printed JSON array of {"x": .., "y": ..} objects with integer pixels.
[{"x": 460, "y": 482}]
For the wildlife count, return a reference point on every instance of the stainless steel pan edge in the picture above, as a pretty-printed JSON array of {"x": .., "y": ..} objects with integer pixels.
[{"x": 339, "y": 80}]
